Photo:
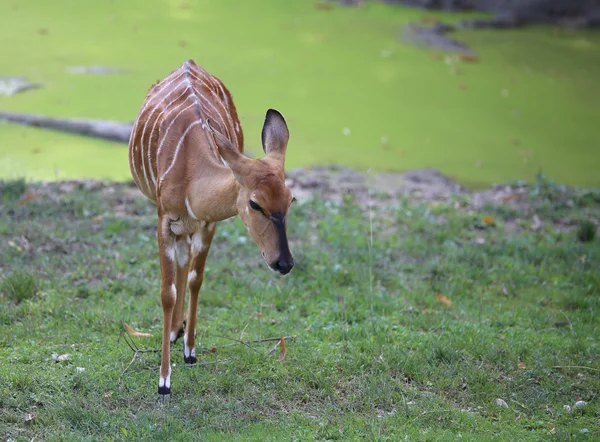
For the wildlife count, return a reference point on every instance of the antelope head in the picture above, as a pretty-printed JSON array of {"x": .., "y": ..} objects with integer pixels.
[{"x": 263, "y": 198}]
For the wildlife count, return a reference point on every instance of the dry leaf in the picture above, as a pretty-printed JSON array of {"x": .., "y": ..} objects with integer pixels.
[
  {"x": 467, "y": 57},
  {"x": 138, "y": 334},
  {"x": 323, "y": 6},
  {"x": 282, "y": 349},
  {"x": 15, "y": 246},
  {"x": 108, "y": 395},
  {"x": 487, "y": 220},
  {"x": 443, "y": 299},
  {"x": 98, "y": 219},
  {"x": 430, "y": 20},
  {"x": 28, "y": 197},
  {"x": 521, "y": 366},
  {"x": 213, "y": 350}
]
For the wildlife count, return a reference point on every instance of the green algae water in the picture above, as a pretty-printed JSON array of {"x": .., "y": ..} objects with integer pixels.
[{"x": 352, "y": 92}]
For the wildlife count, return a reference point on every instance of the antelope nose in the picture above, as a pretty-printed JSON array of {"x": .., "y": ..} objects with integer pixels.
[{"x": 284, "y": 266}]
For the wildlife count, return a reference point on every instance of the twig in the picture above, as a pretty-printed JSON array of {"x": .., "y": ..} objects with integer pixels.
[
  {"x": 219, "y": 361},
  {"x": 569, "y": 321},
  {"x": 256, "y": 341},
  {"x": 239, "y": 342},
  {"x": 273, "y": 349},
  {"x": 430, "y": 412},
  {"x": 287, "y": 338},
  {"x": 146, "y": 350},
  {"x": 576, "y": 366}
]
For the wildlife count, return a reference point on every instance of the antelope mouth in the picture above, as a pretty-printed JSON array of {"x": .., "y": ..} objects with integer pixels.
[{"x": 281, "y": 266}]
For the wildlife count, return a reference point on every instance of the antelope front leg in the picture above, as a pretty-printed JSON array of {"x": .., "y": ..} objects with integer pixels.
[
  {"x": 182, "y": 249},
  {"x": 201, "y": 241},
  {"x": 168, "y": 296}
]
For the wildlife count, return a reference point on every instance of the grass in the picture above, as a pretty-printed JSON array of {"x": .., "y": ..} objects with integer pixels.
[
  {"x": 528, "y": 104},
  {"x": 377, "y": 355}
]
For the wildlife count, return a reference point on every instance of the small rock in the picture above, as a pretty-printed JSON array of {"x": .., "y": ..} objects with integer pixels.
[
  {"x": 567, "y": 408},
  {"x": 79, "y": 369},
  {"x": 60, "y": 358},
  {"x": 13, "y": 85},
  {"x": 584, "y": 430},
  {"x": 94, "y": 70},
  {"x": 501, "y": 403},
  {"x": 579, "y": 404}
]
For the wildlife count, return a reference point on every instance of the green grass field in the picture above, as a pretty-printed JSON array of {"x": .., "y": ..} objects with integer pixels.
[
  {"x": 377, "y": 354},
  {"x": 529, "y": 104}
]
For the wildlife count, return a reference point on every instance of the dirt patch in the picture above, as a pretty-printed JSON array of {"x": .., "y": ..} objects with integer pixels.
[{"x": 338, "y": 183}]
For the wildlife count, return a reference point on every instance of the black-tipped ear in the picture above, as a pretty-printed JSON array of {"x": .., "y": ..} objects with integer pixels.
[{"x": 275, "y": 134}]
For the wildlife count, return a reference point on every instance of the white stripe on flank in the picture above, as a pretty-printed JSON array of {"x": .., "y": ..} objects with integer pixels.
[
  {"x": 161, "y": 85},
  {"x": 164, "y": 137},
  {"x": 177, "y": 148},
  {"x": 148, "y": 118},
  {"x": 152, "y": 131},
  {"x": 189, "y": 209},
  {"x": 211, "y": 89},
  {"x": 160, "y": 88},
  {"x": 223, "y": 93}
]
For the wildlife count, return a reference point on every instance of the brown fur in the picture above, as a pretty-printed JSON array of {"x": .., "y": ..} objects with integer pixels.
[{"x": 185, "y": 132}]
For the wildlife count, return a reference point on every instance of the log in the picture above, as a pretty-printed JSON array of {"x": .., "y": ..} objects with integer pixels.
[{"x": 106, "y": 130}]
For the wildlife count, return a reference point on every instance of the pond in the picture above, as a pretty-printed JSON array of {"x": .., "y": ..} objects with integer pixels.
[{"x": 353, "y": 92}]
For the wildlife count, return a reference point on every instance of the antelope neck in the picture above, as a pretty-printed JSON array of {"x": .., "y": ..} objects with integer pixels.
[{"x": 213, "y": 196}]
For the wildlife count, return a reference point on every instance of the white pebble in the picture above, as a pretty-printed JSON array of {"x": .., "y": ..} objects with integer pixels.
[
  {"x": 579, "y": 404},
  {"x": 501, "y": 403}
]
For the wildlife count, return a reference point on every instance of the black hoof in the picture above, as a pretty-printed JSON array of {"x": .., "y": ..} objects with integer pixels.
[
  {"x": 164, "y": 391},
  {"x": 190, "y": 360}
]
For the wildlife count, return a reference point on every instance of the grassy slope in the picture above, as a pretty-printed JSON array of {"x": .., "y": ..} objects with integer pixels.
[
  {"x": 377, "y": 356},
  {"x": 529, "y": 104}
]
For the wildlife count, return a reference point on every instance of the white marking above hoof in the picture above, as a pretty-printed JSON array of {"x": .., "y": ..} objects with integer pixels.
[
  {"x": 187, "y": 350},
  {"x": 173, "y": 336},
  {"x": 192, "y": 276}
]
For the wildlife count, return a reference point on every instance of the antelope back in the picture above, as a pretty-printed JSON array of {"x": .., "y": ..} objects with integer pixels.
[{"x": 175, "y": 112}]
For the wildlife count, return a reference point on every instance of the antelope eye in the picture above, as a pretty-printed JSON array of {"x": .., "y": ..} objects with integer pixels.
[{"x": 255, "y": 206}]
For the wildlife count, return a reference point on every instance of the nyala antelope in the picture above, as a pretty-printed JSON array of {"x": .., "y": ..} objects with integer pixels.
[{"x": 185, "y": 154}]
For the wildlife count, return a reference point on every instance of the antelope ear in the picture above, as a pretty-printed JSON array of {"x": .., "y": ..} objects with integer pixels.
[
  {"x": 275, "y": 134},
  {"x": 237, "y": 162}
]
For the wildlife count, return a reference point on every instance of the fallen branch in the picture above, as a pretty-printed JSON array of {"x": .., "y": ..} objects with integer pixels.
[
  {"x": 133, "y": 346},
  {"x": 576, "y": 366},
  {"x": 256, "y": 341},
  {"x": 135, "y": 354}
]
